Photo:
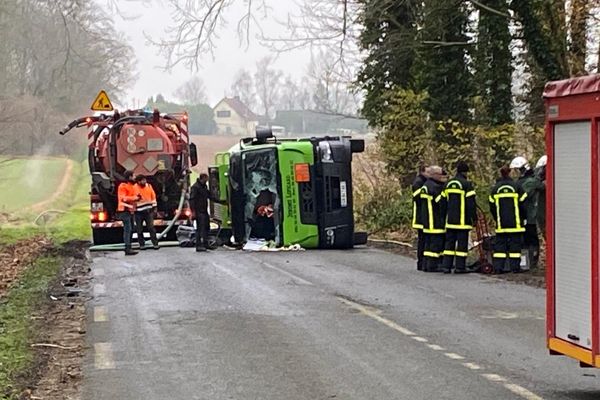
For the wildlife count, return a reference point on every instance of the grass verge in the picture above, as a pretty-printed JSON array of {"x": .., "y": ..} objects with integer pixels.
[{"x": 17, "y": 327}]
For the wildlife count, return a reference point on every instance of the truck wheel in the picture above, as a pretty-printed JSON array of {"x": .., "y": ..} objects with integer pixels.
[{"x": 107, "y": 236}]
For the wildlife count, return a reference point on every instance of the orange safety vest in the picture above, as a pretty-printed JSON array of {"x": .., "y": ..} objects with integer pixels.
[
  {"x": 127, "y": 197},
  {"x": 148, "y": 197}
]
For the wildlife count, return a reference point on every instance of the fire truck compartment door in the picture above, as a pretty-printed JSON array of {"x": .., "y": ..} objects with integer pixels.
[{"x": 572, "y": 232}]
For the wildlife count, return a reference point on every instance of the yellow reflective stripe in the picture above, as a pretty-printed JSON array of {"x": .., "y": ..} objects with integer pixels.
[
  {"x": 491, "y": 199},
  {"x": 461, "y": 254},
  {"x": 449, "y": 253},
  {"x": 514, "y": 255},
  {"x": 417, "y": 226},
  {"x": 471, "y": 193},
  {"x": 510, "y": 230},
  {"x": 523, "y": 197},
  {"x": 452, "y": 226},
  {"x": 499, "y": 255},
  {"x": 498, "y": 223},
  {"x": 437, "y": 199},
  {"x": 455, "y": 181},
  {"x": 414, "y": 219},
  {"x": 505, "y": 195},
  {"x": 431, "y": 254},
  {"x": 430, "y": 212},
  {"x": 517, "y": 215},
  {"x": 455, "y": 191},
  {"x": 425, "y": 230},
  {"x": 512, "y": 189},
  {"x": 462, "y": 208},
  {"x": 426, "y": 196},
  {"x": 417, "y": 192}
]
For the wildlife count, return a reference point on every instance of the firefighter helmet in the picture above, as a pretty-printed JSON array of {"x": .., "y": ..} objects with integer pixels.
[
  {"x": 520, "y": 163},
  {"x": 542, "y": 161}
]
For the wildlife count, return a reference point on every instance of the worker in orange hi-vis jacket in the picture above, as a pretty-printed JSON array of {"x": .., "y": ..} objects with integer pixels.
[
  {"x": 127, "y": 198},
  {"x": 144, "y": 213}
]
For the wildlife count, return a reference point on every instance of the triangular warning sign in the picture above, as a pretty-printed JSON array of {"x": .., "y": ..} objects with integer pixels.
[{"x": 102, "y": 102}]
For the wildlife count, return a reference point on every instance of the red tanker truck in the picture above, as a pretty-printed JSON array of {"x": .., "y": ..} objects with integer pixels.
[{"x": 147, "y": 143}]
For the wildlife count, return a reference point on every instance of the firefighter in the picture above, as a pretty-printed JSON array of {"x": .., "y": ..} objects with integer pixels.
[
  {"x": 417, "y": 224},
  {"x": 533, "y": 186},
  {"x": 459, "y": 196},
  {"x": 127, "y": 198},
  {"x": 540, "y": 172},
  {"x": 199, "y": 196},
  {"x": 507, "y": 207},
  {"x": 144, "y": 212},
  {"x": 433, "y": 216}
]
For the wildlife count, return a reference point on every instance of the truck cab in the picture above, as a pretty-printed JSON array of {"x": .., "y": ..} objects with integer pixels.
[{"x": 291, "y": 191}]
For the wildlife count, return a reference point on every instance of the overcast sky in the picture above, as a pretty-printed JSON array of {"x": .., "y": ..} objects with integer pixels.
[{"x": 217, "y": 73}]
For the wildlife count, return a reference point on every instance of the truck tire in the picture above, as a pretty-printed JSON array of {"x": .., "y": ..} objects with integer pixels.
[{"x": 107, "y": 236}]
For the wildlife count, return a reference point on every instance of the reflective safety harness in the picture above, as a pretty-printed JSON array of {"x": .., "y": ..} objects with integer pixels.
[
  {"x": 506, "y": 201},
  {"x": 460, "y": 200}
]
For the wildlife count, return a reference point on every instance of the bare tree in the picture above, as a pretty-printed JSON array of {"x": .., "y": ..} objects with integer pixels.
[
  {"x": 192, "y": 92},
  {"x": 243, "y": 87},
  {"x": 267, "y": 81},
  {"x": 331, "y": 92},
  {"x": 289, "y": 94}
]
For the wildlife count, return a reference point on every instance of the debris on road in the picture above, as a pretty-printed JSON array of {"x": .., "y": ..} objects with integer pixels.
[{"x": 15, "y": 258}]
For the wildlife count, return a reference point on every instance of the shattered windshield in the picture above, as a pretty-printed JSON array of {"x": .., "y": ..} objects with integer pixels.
[{"x": 261, "y": 189}]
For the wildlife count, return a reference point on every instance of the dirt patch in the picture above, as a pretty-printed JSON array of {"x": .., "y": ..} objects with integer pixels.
[
  {"x": 60, "y": 346},
  {"x": 15, "y": 258},
  {"x": 208, "y": 145},
  {"x": 62, "y": 187}
]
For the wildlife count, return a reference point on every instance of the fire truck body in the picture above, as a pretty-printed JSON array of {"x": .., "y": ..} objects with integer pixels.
[
  {"x": 572, "y": 237},
  {"x": 151, "y": 144}
]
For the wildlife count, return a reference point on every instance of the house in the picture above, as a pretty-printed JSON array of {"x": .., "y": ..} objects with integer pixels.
[{"x": 233, "y": 117}]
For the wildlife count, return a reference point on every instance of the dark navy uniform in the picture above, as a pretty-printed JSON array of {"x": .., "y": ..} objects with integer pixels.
[
  {"x": 417, "y": 222},
  {"x": 459, "y": 196},
  {"x": 507, "y": 200},
  {"x": 433, "y": 218}
]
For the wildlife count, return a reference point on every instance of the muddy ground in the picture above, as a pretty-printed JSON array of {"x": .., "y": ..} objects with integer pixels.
[{"x": 61, "y": 322}]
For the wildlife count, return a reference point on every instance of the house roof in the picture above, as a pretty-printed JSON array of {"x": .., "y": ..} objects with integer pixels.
[{"x": 239, "y": 107}]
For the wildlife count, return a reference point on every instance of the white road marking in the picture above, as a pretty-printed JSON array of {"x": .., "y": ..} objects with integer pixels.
[
  {"x": 374, "y": 314},
  {"x": 521, "y": 391},
  {"x": 99, "y": 289},
  {"x": 494, "y": 377},
  {"x": 293, "y": 276},
  {"x": 100, "y": 314},
  {"x": 103, "y": 356},
  {"x": 472, "y": 366},
  {"x": 435, "y": 347},
  {"x": 454, "y": 356}
]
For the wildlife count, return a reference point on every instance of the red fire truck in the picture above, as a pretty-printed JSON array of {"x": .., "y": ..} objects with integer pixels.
[{"x": 573, "y": 242}]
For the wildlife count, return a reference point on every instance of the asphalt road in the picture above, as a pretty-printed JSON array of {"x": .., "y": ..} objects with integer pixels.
[{"x": 360, "y": 324}]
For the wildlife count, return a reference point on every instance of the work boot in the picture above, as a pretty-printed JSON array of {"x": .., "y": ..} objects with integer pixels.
[
  {"x": 155, "y": 246},
  {"x": 460, "y": 271},
  {"x": 200, "y": 249},
  {"x": 129, "y": 252}
]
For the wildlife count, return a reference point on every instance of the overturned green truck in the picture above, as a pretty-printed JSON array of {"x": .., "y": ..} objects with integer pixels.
[{"x": 290, "y": 191}]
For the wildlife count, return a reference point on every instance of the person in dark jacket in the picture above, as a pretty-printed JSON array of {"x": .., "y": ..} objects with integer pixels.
[
  {"x": 417, "y": 223},
  {"x": 199, "y": 196},
  {"x": 433, "y": 215},
  {"x": 459, "y": 196},
  {"x": 507, "y": 201},
  {"x": 533, "y": 186}
]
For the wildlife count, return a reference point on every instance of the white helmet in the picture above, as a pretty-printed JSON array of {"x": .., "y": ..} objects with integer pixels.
[
  {"x": 542, "y": 161},
  {"x": 519, "y": 163}
]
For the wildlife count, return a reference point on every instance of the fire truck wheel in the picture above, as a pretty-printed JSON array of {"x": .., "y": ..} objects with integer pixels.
[{"x": 107, "y": 236}]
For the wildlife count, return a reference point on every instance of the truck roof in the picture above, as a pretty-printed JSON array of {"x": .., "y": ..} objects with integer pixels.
[{"x": 572, "y": 87}]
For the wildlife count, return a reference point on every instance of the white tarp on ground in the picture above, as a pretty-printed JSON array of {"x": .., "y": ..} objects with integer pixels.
[{"x": 263, "y": 245}]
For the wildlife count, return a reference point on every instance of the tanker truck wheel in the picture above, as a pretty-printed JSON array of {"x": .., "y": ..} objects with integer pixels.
[{"x": 107, "y": 236}]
